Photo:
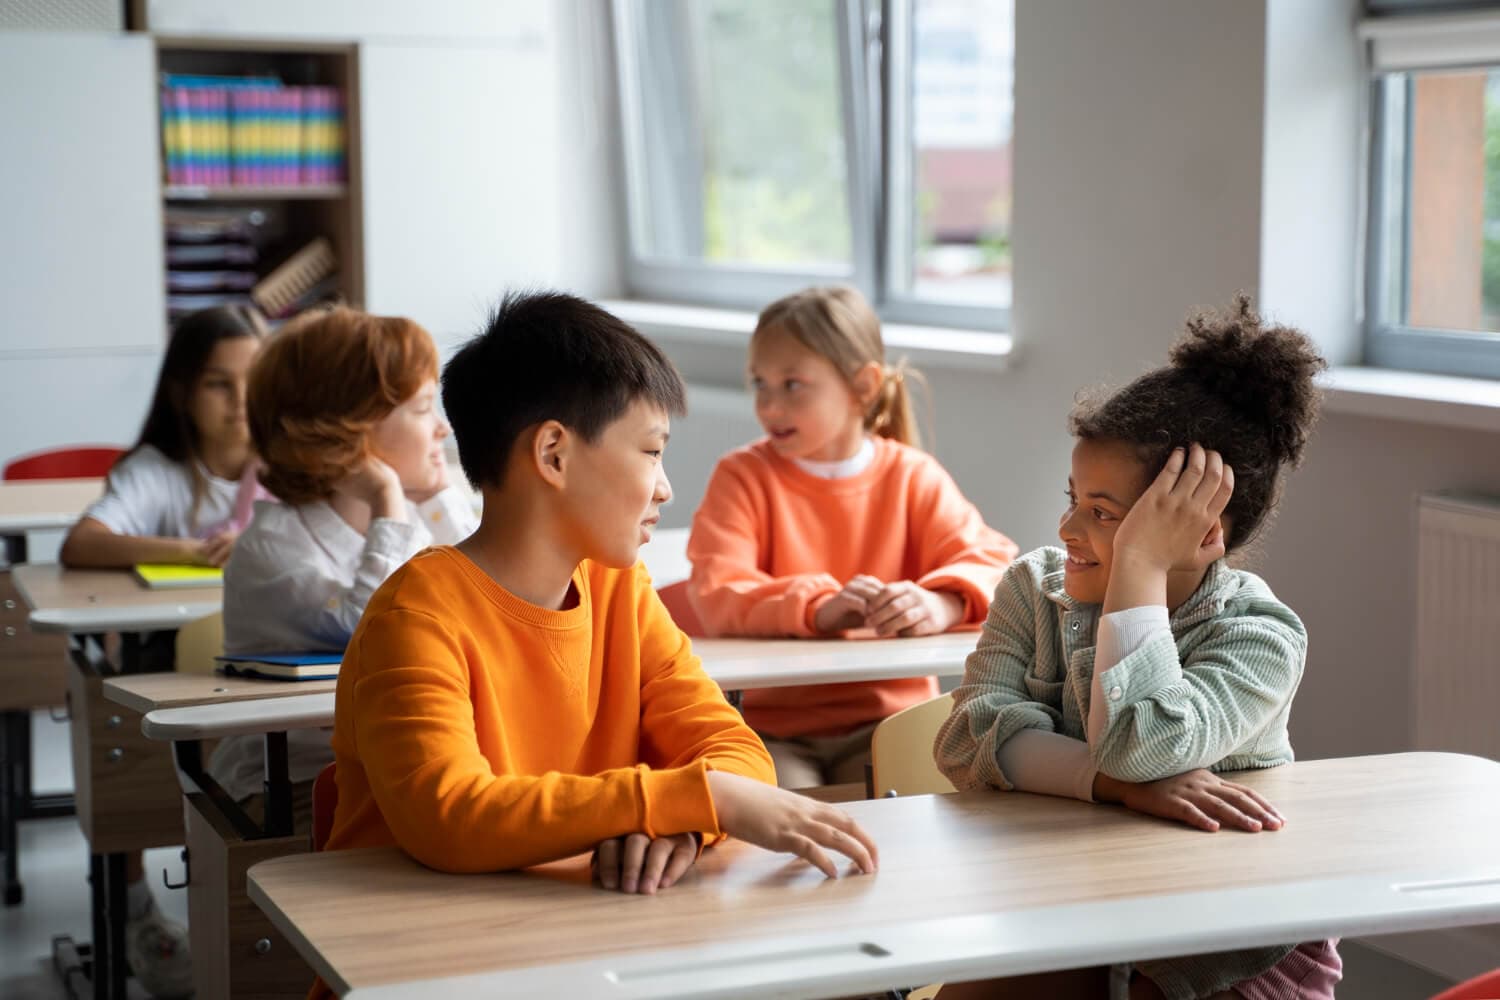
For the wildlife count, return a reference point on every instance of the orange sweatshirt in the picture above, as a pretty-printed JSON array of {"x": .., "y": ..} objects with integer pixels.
[
  {"x": 479, "y": 732},
  {"x": 771, "y": 543}
]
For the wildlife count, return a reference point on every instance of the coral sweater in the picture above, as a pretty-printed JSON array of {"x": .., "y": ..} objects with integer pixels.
[
  {"x": 479, "y": 732},
  {"x": 772, "y": 542}
]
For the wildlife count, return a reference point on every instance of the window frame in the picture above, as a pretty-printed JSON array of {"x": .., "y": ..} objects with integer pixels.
[
  {"x": 867, "y": 72},
  {"x": 1388, "y": 342}
]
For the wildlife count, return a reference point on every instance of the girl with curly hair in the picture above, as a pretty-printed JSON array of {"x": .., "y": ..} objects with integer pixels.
[{"x": 1132, "y": 664}]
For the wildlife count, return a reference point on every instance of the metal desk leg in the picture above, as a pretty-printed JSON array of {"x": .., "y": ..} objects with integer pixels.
[{"x": 12, "y": 780}]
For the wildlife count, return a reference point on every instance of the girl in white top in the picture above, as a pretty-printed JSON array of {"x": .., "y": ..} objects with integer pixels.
[
  {"x": 344, "y": 414},
  {"x": 185, "y": 491},
  {"x": 181, "y": 495}
]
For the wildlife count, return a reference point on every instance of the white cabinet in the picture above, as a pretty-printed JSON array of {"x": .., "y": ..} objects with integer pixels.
[
  {"x": 80, "y": 194},
  {"x": 474, "y": 21},
  {"x": 461, "y": 179}
]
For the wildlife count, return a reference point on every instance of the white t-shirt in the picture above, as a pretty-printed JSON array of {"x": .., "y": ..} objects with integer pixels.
[
  {"x": 298, "y": 581},
  {"x": 149, "y": 494}
]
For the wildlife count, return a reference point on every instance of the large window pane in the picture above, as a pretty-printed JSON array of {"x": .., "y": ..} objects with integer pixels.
[
  {"x": 952, "y": 136},
  {"x": 1441, "y": 204},
  {"x": 735, "y": 133}
]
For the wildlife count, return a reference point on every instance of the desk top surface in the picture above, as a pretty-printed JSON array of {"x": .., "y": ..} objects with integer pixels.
[
  {"x": 755, "y": 663},
  {"x": 37, "y": 504},
  {"x": 970, "y": 885},
  {"x": 149, "y": 692},
  {"x": 106, "y": 600}
]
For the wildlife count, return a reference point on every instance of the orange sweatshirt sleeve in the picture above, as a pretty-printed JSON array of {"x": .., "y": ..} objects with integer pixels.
[
  {"x": 958, "y": 552},
  {"x": 729, "y": 590},
  {"x": 684, "y": 715},
  {"x": 414, "y": 725}
]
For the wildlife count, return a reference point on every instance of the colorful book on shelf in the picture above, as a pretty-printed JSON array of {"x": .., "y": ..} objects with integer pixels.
[
  {"x": 250, "y": 132},
  {"x": 169, "y": 576},
  {"x": 284, "y": 666}
]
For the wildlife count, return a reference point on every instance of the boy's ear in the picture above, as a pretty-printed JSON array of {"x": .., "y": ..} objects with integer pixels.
[
  {"x": 550, "y": 445},
  {"x": 866, "y": 383}
]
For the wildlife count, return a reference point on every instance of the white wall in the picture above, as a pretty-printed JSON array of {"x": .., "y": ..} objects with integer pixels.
[{"x": 1310, "y": 188}]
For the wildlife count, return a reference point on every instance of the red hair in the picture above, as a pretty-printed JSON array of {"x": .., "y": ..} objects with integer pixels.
[{"x": 318, "y": 387}]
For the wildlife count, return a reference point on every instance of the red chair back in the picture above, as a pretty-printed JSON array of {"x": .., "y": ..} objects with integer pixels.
[
  {"x": 1485, "y": 987},
  {"x": 675, "y": 597},
  {"x": 325, "y": 800},
  {"x": 64, "y": 463}
]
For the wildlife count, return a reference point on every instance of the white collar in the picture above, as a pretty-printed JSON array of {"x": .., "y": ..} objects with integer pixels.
[{"x": 843, "y": 468}]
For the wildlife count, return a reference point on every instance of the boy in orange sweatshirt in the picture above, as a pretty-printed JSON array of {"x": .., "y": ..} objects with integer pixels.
[{"x": 524, "y": 696}]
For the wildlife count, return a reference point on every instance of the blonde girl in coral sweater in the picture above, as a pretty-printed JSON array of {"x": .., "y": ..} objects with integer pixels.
[{"x": 835, "y": 522}]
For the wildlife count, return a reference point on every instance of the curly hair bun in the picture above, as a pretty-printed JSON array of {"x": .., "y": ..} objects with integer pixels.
[{"x": 1265, "y": 372}]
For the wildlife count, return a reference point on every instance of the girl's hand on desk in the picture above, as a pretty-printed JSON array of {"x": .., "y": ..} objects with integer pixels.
[
  {"x": 213, "y": 550},
  {"x": 638, "y": 863},
  {"x": 847, "y": 609},
  {"x": 779, "y": 820},
  {"x": 903, "y": 608},
  {"x": 1198, "y": 798}
]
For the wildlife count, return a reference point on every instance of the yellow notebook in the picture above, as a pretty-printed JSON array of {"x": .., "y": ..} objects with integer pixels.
[{"x": 166, "y": 576}]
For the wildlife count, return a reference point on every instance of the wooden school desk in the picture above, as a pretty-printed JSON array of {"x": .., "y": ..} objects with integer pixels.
[
  {"x": 236, "y": 951},
  {"x": 970, "y": 886},
  {"x": 32, "y": 667},
  {"x": 124, "y": 786}
]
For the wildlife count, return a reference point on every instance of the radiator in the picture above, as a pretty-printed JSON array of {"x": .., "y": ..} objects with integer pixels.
[{"x": 1457, "y": 679}]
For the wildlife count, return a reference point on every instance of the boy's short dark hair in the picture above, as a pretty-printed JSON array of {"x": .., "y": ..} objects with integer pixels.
[{"x": 548, "y": 356}]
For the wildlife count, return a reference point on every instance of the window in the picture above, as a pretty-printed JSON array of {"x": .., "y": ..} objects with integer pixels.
[
  {"x": 771, "y": 144},
  {"x": 1434, "y": 251}
]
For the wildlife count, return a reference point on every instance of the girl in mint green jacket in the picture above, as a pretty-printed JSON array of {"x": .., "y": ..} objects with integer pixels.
[{"x": 1131, "y": 664}]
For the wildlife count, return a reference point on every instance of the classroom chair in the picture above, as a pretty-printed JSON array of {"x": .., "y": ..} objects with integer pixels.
[
  {"x": 87, "y": 462},
  {"x": 675, "y": 597},
  {"x": 1484, "y": 987},
  {"x": 901, "y": 751},
  {"x": 198, "y": 643}
]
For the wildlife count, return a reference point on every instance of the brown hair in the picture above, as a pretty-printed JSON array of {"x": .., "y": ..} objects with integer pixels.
[
  {"x": 836, "y": 322},
  {"x": 1235, "y": 385},
  {"x": 320, "y": 385}
]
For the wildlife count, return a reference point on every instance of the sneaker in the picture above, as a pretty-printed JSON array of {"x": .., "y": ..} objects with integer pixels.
[{"x": 156, "y": 949}]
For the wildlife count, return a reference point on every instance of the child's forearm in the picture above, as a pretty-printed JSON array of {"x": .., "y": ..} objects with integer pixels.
[
  {"x": 1134, "y": 582},
  {"x": 96, "y": 546}
]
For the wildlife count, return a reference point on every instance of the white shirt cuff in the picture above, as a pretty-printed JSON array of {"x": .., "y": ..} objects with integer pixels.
[{"x": 1039, "y": 760}]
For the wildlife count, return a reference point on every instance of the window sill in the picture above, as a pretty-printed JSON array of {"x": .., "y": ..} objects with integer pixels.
[
  {"x": 1443, "y": 400},
  {"x": 924, "y": 346}
]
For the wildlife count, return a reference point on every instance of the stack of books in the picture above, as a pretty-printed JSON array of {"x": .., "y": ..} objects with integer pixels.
[
  {"x": 213, "y": 256},
  {"x": 283, "y": 666},
  {"x": 220, "y": 131}
]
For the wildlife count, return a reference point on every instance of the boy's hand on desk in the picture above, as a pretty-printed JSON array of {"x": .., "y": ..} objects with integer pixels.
[
  {"x": 1198, "y": 798},
  {"x": 638, "y": 863},
  {"x": 847, "y": 609},
  {"x": 903, "y": 608},
  {"x": 779, "y": 820}
]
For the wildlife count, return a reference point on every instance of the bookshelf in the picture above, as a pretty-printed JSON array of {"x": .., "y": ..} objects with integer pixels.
[{"x": 259, "y": 157}]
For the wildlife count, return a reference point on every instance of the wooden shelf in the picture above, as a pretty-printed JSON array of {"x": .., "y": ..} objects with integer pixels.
[{"x": 243, "y": 192}]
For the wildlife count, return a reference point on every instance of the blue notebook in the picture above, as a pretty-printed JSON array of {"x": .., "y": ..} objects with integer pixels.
[{"x": 284, "y": 666}]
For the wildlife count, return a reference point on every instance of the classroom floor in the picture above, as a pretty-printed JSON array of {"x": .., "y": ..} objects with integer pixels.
[{"x": 54, "y": 869}]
